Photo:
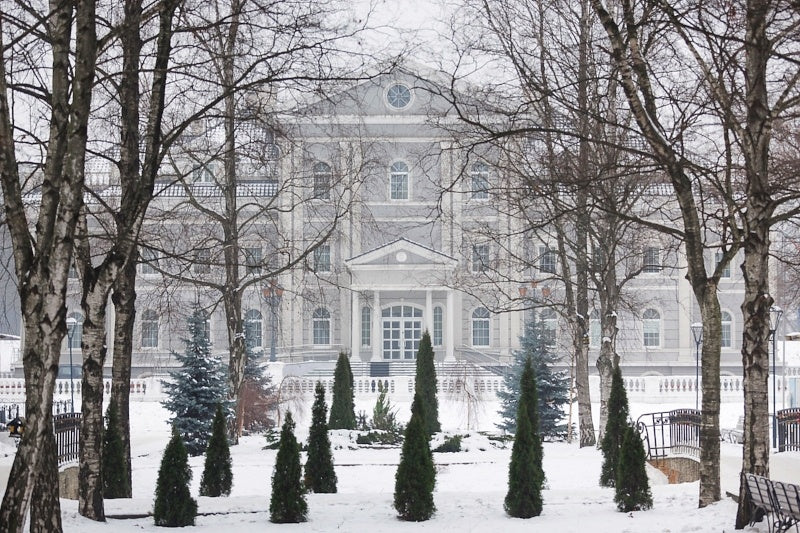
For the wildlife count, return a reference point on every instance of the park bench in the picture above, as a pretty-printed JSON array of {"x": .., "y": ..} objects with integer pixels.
[
  {"x": 777, "y": 501},
  {"x": 734, "y": 435}
]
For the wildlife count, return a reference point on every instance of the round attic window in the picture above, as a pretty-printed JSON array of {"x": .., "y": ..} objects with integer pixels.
[
  {"x": 401, "y": 257},
  {"x": 398, "y": 96}
]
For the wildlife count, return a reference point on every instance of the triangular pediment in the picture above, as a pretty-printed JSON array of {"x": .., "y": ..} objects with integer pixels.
[{"x": 403, "y": 254}]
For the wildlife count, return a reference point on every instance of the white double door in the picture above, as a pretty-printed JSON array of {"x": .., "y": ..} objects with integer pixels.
[{"x": 402, "y": 330}]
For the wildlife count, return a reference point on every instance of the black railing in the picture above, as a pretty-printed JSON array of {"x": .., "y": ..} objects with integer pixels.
[
  {"x": 670, "y": 432},
  {"x": 788, "y": 429},
  {"x": 67, "y": 428},
  {"x": 12, "y": 410}
]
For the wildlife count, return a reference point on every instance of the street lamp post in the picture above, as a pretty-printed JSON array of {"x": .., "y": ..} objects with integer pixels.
[
  {"x": 273, "y": 294},
  {"x": 775, "y": 314},
  {"x": 71, "y": 323},
  {"x": 697, "y": 332}
]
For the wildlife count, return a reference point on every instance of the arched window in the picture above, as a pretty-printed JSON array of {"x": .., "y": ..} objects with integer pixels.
[
  {"x": 322, "y": 180},
  {"x": 253, "y": 330},
  {"x": 74, "y": 330},
  {"x": 595, "y": 330},
  {"x": 398, "y": 181},
  {"x": 727, "y": 332},
  {"x": 480, "y": 327},
  {"x": 438, "y": 326},
  {"x": 149, "y": 329},
  {"x": 651, "y": 328},
  {"x": 479, "y": 172},
  {"x": 321, "y": 326},
  {"x": 549, "y": 320}
]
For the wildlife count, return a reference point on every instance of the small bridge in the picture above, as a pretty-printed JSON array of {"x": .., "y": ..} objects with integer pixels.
[{"x": 675, "y": 432}]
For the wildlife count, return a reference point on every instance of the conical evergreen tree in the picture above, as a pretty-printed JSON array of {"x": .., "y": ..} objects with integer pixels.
[
  {"x": 320, "y": 475},
  {"x": 425, "y": 384},
  {"x": 525, "y": 476},
  {"x": 416, "y": 475},
  {"x": 552, "y": 386},
  {"x": 115, "y": 475},
  {"x": 196, "y": 387},
  {"x": 343, "y": 408},
  {"x": 217, "y": 478},
  {"x": 288, "y": 502},
  {"x": 632, "y": 490},
  {"x": 615, "y": 429},
  {"x": 174, "y": 505}
]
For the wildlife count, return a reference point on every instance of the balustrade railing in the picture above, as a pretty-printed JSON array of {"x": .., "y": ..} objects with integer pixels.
[
  {"x": 675, "y": 432},
  {"x": 788, "y": 429}
]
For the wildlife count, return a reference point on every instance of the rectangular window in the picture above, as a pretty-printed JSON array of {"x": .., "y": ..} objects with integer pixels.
[
  {"x": 726, "y": 272},
  {"x": 202, "y": 262},
  {"x": 322, "y": 258},
  {"x": 652, "y": 260},
  {"x": 547, "y": 260},
  {"x": 480, "y": 181},
  {"x": 438, "y": 326},
  {"x": 149, "y": 262},
  {"x": 480, "y": 257},
  {"x": 366, "y": 327},
  {"x": 398, "y": 181},
  {"x": 252, "y": 260}
]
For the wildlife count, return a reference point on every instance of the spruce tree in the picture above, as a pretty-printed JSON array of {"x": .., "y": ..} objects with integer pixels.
[
  {"x": 525, "y": 476},
  {"x": 196, "y": 388},
  {"x": 343, "y": 409},
  {"x": 632, "y": 490},
  {"x": 288, "y": 502},
  {"x": 320, "y": 475},
  {"x": 426, "y": 384},
  {"x": 115, "y": 475},
  {"x": 552, "y": 386},
  {"x": 217, "y": 478},
  {"x": 174, "y": 505},
  {"x": 615, "y": 429},
  {"x": 416, "y": 476}
]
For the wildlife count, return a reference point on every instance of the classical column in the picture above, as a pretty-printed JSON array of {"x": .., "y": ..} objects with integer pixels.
[
  {"x": 429, "y": 312},
  {"x": 376, "y": 326},
  {"x": 355, "y": 329},
  {"x": 450, "y": 332}
]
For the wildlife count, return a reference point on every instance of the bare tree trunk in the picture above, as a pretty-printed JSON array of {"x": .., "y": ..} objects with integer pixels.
[
  {"x": 46, "y": 507},
  {"x": 124, "y": 299},
  {"x": 709, "y": 421}
]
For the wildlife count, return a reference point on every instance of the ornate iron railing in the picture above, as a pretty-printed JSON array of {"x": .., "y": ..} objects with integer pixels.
[
  {"x": 675, "y": 432},
  {"x": 788, "y": 429}
]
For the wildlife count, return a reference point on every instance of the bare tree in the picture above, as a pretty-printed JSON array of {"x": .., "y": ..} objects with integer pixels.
[
  {"x": 735, "y": 55},
  {"x": 44, "y": 154}
]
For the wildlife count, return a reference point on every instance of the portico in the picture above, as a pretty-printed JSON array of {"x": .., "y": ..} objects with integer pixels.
[{"x": 400, "y": 290}]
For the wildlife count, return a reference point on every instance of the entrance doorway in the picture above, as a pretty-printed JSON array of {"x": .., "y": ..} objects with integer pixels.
[{"x": 402, "y": 330}]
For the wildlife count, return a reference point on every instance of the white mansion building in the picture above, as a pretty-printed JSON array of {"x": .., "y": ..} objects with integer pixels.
[{"x": 407, "y": 252}]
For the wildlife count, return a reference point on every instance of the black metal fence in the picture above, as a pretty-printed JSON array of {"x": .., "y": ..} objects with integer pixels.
[
  {"x": 670, "y": 432},
  {"x": 788, "y": 429},
  {"x": 10, "y": 411},
  {"x": 67, "y": 428}
]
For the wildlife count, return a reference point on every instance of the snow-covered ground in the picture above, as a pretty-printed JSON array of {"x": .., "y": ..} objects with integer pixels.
[{"x": 469, "y": 493}]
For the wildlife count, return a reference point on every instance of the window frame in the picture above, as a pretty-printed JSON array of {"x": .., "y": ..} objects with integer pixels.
[
  {"x": 726, "y": 272},
  {"x": 651, "y": 260},
  {"x": 395, "y": 173},
  {"x": 438, "y": 326},
  {"x": 253, "y": 256},
  {"x": 479, "y": 178},
  {"x": 481, "y": 258},
  {"x": 651, "y": 328},
  {"x": 726, "y": 330},
  {"x": 322, "y": 258},
  {"x": 481, "y": 327},
  {"x": 147, "y": 258},
  {"x": 322, "y": 175},
  {"x": 366, "y": 326},
  {"x": 202, "y": 262},
  {"x": 77, "y": 332},
  {"x": 549, "y": 319},
  {"x": 321, "y": 327},
  {"x": 253, "y": 318},
  {"x": 150, "y": 325},
  {"x": 548, "y": 260}
]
